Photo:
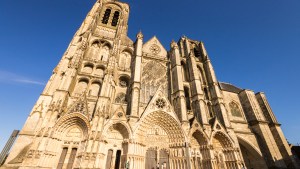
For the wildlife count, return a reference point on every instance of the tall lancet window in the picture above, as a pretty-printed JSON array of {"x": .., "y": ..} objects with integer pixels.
[
  {"x": 104, "y": 53},
  {"x": 115, "y": 18},
  {"x": 125, "y": 61},
  {"x": 81, "y": 86},
  {"x": 95, "y": 89},
  {"x": 184, "y": 71},
  {"x": 106, "y": 16},
  {"x": 187, "y": 98}
]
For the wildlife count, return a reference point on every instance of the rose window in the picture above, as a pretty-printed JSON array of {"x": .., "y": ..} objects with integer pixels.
[
  {"x": 160, "y": 103},
  {"x": 154, "y": 49}
]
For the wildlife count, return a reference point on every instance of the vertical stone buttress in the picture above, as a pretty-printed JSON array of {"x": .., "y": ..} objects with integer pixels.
[
  {"x": 276, "y": 131},
  {"x": 260, "y": 127},
  {"x": 177, "y": 83},
  {"x": 214, "y": 90},
  {"x": 136, "y": 83},
  {"x": 197, "y": 94}
]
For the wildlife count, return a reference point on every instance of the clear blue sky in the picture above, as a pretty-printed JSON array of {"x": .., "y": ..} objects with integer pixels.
[{"x": 254, "y": 44}]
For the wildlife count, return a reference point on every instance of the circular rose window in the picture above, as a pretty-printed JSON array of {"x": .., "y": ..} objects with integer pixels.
[{"x": 160, "y": 103}]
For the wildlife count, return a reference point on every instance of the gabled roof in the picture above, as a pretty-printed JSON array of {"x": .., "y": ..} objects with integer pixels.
[{"x": 229, "y": 87}]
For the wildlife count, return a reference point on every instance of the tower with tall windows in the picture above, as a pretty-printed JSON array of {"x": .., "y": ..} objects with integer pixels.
[{"x": 112, "y": 103}]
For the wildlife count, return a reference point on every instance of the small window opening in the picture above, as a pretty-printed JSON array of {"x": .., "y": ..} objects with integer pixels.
[
  {"x": 106, "y": 16},
  {"x": 115, "y": 18},
  {"x": 206, "y": 95},
  {"x": 197, "y": 52},
  {"x": 187, "y": 98}
]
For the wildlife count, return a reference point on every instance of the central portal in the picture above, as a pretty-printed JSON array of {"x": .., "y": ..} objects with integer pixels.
[
  {"x": 163, "y": 141},
  {"x": 157, "y": 155}
]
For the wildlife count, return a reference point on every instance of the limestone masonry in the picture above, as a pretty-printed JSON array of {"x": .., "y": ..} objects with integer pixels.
[{"x": 112, "y": 103}]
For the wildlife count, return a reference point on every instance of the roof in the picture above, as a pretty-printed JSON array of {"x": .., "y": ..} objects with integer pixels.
[{"x": 229, "y": 87}]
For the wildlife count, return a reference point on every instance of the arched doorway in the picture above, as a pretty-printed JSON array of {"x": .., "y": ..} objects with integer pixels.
[
  {"x": 200, "y": 158},
  {"x": 224, "y": 156},
  {"x": 163, "y": 140},
  {"x": 71, "y": 133},
  {"x": 117, "y": 145},
  {"x": 253, "y": 159}
]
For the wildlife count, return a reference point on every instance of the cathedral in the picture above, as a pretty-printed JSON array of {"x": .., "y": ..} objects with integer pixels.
[{"x": 117, "y": 103}]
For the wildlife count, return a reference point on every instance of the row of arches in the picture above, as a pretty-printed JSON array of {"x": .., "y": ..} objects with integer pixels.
[
  {"x": 90, "y": 68},
  {"x": 84, "y": 85},
  {"x": 217, "y": 152},
  {"x": 98, "y": 51},
  {"x": 111, "y": 15}
]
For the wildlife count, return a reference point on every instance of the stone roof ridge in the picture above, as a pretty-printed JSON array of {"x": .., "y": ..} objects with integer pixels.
[{"x": 229, "y": 87}]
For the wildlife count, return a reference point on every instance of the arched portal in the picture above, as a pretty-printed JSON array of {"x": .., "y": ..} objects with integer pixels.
[
  {"x": 199, "y": 150},
  {"x": 71, "y": 132},
  {"x": 224, "y": 156},
  {"x": 163, "y": 140},
  {"x": 253, "y": 159},
  {"x": 116, "y": 147}
]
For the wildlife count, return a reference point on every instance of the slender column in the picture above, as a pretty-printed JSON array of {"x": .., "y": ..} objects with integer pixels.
[
  {"x": 196, "y": 91},
  {"x": 177, "y": 83},
  {"x": 136, "y": 84}
]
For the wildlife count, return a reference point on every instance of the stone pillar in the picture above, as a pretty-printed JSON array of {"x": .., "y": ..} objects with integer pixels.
[
  {"x": 198, "y": 103},
  {"x": 136, "y": 83},
  {"x": 276, "y": 131},
  {"x": 260, "y": 127},
  {"x": 216, "y": 94},
  {"x": 177, "y": 84}
]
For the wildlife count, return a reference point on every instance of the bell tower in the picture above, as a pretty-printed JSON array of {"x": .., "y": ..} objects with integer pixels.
[
  {"x": 89, "y": 84},
  {"x": 114, "y": 103}
]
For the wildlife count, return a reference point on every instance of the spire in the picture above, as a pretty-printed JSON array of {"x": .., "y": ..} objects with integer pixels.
[
  {"x": 174, "y": 45},
  {"x": 140, "y": 35}
]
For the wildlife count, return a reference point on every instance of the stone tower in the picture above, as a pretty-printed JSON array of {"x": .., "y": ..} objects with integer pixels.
[{"x": 112, "y": 103}]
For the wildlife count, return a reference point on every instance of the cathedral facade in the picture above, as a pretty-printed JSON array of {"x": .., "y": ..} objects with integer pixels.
[{"x": 114, "y": 103}]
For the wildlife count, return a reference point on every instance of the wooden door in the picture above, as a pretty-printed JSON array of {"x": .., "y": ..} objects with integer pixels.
[
  {"x": 72, "y": 158},
  {"x": 62, "y": 158}
]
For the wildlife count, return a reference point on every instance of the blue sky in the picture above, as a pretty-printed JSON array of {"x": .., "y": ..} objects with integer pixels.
[{"x": 253, "y": 44}]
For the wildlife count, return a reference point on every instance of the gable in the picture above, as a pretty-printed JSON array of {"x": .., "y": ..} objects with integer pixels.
[
  {"x": 154, "y": 48},
  {"x": 160, "y": 102}
]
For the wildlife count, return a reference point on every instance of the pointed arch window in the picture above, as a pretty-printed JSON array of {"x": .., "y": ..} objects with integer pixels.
[
  {"x": 115, "y": 18},
  {"x": 81, "y": 86},
  {"x": 106, "y": 16},
  {"x": 95, "y": 89},
  {"x": 187, "y": 98},
  {"x": 104, "y": 53},
  {"x": 125, "y": 61},
  {"x": 184, "y": 71},
  {"x": 235, "y": 110}
]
